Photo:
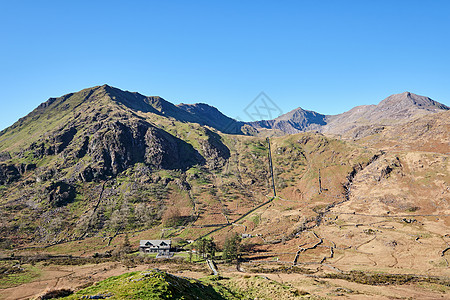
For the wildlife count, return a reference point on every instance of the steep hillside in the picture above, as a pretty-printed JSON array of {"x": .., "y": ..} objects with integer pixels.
[
  {"x": 58, "y": 162},
  {"x": 93, "y": 135},
  {"x": 110, "y": 161}
]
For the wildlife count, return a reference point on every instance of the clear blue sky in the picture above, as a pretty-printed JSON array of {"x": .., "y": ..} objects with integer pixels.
[{"x": 326, "y": 56}]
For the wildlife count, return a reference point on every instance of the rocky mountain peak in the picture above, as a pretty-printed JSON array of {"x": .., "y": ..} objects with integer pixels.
[
  {"x": 295, "y": 121},
  {"x": 408, "y": 100}
]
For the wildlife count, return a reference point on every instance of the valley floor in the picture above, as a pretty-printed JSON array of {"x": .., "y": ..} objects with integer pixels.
[{"x": 271, "y": 283}]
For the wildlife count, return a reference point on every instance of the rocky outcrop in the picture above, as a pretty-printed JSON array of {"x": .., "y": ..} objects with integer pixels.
[
  {"x": 214, "y": 151},
  {"x": 165, "y": 151},
  {"x": 10, "y": 173},
  {"x": 60, "y": 193},
  {"x": 54, "y": 144},
  {"x": 4, "y": 156},
  {"x": 63, "y": 139},
  {"x": 117, "y": 145},
  {"x": 365, "y": 130},
  {"x": 104, "y": 136}
]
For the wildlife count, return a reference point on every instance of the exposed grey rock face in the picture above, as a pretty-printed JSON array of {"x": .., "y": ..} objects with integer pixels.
[
  {"x": 4, "y": 156},
  {"x": 10, "y": 173},
  {"x": 407, "y": 100},
  {"x": 60, "y": 193},
  {"x": 214, "y": 151},
  {"x": 117, "y": 145}
]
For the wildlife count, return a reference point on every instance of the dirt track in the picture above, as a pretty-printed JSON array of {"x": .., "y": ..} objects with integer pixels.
[{"x": 57, "y": 277}]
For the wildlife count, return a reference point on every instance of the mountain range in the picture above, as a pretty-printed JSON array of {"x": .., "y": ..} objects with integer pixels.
[
  {"x": 117, "y": 129},
  {"x": 88, "y": 172},
  {"x": 395, "y": 109}
]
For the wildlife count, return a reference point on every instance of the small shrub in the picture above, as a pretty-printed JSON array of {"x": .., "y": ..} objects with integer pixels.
[
  {"x": 56, "y": 294},
  {"x": 172, "y": 217},
  {"x": 412, "y": 209}
]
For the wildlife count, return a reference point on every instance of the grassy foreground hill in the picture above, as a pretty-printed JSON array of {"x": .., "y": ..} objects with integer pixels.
[
  {"x": 152, "y": 284},
  {"x": 156, "y": 284}
]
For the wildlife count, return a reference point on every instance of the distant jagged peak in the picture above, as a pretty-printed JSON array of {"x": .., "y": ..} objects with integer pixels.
[
  {"x": 294, "y": 121},
  {"x": 289, "y": 115},
  {"x": 298, "y": 113},
  {"x": 411, "y": 100}
]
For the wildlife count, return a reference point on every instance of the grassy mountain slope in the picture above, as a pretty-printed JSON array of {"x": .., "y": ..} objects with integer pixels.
[
  {"x": 53, "y": 176},
  {"x": 110, "y": 161}
]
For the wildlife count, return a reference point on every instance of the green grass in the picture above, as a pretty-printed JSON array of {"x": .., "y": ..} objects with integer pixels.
[
  {"x": 256, "y": 219},
  {"x": 259, "y": 149},
  {"x": 152, "y": 284},
  {"x": 434, "y": 287},
  {"x": 36, "y": 123},
  {"x": 152, "y": 255},
  {"x": 28, "y": 274},
  {"x": 155, "y": 284},
  {"x": 380, "y": 278}
]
